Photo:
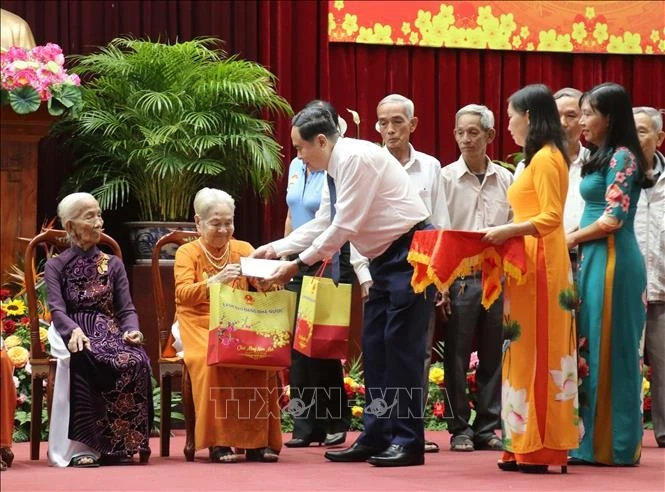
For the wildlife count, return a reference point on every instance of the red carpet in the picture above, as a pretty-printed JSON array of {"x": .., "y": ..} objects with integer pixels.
[{"x": 306, "y": 469}]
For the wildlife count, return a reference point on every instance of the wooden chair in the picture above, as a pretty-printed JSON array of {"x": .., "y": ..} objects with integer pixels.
[
  {"x": 171, "y": 365},
  {"x": 43, "y": 365}
]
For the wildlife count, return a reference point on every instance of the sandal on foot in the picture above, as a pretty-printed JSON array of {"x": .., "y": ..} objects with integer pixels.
[
  {"x": 265, "y": 455},
  {"x": 3, "y": 465},
  {"x": 84, "y": 461},
  {"x": 431, "y": 447},
  {"x": 492, "y": 443},
  {"x": 223, "y": 454},
  {"x": 461, "y": 442}
]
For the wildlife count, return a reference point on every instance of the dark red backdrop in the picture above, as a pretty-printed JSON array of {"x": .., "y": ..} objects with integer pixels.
[{"x": 290, "y": 38}]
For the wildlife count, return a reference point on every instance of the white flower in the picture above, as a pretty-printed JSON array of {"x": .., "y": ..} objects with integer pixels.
[
  {"x": 566, "y": 378},
  {"x": 28, "y": 367},
  {"x": 581, "y": 429},
  {"x": 514, "y": 409},
  {"x": 16, "y": 381}
]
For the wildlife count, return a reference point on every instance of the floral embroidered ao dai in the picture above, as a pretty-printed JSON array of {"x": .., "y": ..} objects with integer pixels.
[
  {"x": 539, "y": 389},
  {"x": 110, "y": 386},
  {"x": 611, "y": 284}
]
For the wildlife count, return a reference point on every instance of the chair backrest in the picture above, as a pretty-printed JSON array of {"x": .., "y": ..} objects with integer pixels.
[
  {"x": 178, "y": 238},
  {"x": 57, "y": 240}
]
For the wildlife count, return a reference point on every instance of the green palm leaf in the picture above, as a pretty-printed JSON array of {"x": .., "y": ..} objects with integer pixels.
[{"x": 158, "y": 121}]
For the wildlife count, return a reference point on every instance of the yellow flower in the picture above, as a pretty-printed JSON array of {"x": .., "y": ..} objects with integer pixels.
[
  {"x": 655, "y": 36},
  {"x": 14, "y": 307},
  {"x": 399, "y": 41},
  {"x": 484, "y": 14},
  {"x": 579, "y": 32},
  {"x": 590, "y": 12},
  {"x": 530, "y": 47},
  {"x": 413, "y": 38},
  {"x": 661, "y": 45},
  {"x": 356, "y": 411},
  {"x": 600, "y": 32},
  {"x": 524, "y": 32},
  {"x": 436, "y": 375},
  {"x": 19, "y": 356},
  {"x": 350, "y": 24},
  {"x": 507, "y": 24},
  {"x": 456, "y": 37},
  {"x": 348, "y": 380},
  {"x": 646, "y": 386},
  {"x": 649, "y": 50},
  {"x": 12, "y": 341},
  {"x": 550, "y": 41},
  {"x": 423, "y": 20},
  {"x": 517, "y": 41},
  {"x": 43, "y": 334},
  {"x": 339, "y": 4},
  {"x": 406, "y": 27},
  {"x": 331, "y": 23},
  {"x": 477, "y": 39},
  {"x": 630, "y": 43}
]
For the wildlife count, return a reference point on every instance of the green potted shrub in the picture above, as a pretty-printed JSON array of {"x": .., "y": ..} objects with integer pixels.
[{"x": 159, "y": 121}]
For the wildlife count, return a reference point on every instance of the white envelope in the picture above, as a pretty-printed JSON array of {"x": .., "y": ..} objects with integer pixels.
[{"x": 260, "y": 268}]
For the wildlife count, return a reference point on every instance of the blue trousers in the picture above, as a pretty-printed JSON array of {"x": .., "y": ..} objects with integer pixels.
[{"x": 393, "y": 340}]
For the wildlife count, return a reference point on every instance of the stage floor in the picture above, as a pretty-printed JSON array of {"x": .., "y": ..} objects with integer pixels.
[{"x": 307, "y": 470}]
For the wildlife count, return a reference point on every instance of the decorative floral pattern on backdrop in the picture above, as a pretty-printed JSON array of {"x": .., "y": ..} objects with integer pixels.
[{"x": 563, "y": 26}]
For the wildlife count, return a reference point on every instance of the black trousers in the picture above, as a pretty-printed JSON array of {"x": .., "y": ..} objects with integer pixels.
[
  {"x": 319, "y": 383},
  {"x": 469, "y": 321}
]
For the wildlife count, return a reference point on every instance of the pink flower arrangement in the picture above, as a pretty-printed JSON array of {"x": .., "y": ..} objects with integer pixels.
[{"x": 30, "y": 77}]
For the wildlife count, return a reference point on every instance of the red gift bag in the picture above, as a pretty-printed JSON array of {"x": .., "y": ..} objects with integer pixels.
[{"x": 250, "y": 329}]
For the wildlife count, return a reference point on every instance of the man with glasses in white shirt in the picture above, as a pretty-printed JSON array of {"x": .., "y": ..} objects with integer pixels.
[
  {"x": 396, "y": 121},
  {"x": 476, "y": 191},
  {"x": 371, "y": 202}
]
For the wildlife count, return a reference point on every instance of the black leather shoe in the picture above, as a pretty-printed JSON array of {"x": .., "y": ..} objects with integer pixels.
[
  {"x": 397, "y": 455},
  {"x": 354, "y": 453},
  {"x": 303, "y": 442},
  {"x": 335, "y": 439}
]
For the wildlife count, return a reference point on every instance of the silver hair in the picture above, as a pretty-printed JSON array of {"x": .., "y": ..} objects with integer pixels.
[
  {"x": 568, "y": 92},
  {"x": 409, "y": 107},
  {"x": 206, "y": 198},
  {"x": 655, "y": 115},
  {"x": 486, "y": 115},
  {"x": 69, "y": 207}
]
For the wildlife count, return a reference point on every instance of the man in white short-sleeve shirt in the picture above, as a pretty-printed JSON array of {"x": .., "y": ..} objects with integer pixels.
[{"x": 396, "y": 121}]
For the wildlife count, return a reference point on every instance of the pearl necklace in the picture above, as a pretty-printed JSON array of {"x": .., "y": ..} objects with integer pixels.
[{"x": 217, "y": 262}]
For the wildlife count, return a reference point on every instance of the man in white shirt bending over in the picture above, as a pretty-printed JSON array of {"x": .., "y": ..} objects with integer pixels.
[
  {"x": 396, "y": 121},
  {"x": 371, "y": 202},
  {"x": 476, "y": 191}
]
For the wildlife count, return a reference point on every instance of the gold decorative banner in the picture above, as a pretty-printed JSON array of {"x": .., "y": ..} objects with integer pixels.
[{"x": 579, "y": 27}]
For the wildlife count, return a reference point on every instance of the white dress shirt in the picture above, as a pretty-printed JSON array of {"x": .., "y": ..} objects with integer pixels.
[
  {"x": 425, "y": 173},
  {"x": 574, "y": 207},
  {"x": 650, "y": 232},
  {"x": 474, "y": 205},
  {"x": 376, "y": 204}
]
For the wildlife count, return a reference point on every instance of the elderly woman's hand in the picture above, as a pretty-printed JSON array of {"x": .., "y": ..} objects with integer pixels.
[
  {"x": 78, "y": 341},
  {"x": 228, "y": 274},
  {"x": 133, "y": 337}
]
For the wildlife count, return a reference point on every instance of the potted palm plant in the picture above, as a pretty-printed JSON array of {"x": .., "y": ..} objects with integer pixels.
[{"x": 159, "y": 121}]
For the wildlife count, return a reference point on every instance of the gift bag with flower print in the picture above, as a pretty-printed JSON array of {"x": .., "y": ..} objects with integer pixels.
[{"x": 250, "y": 329}]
